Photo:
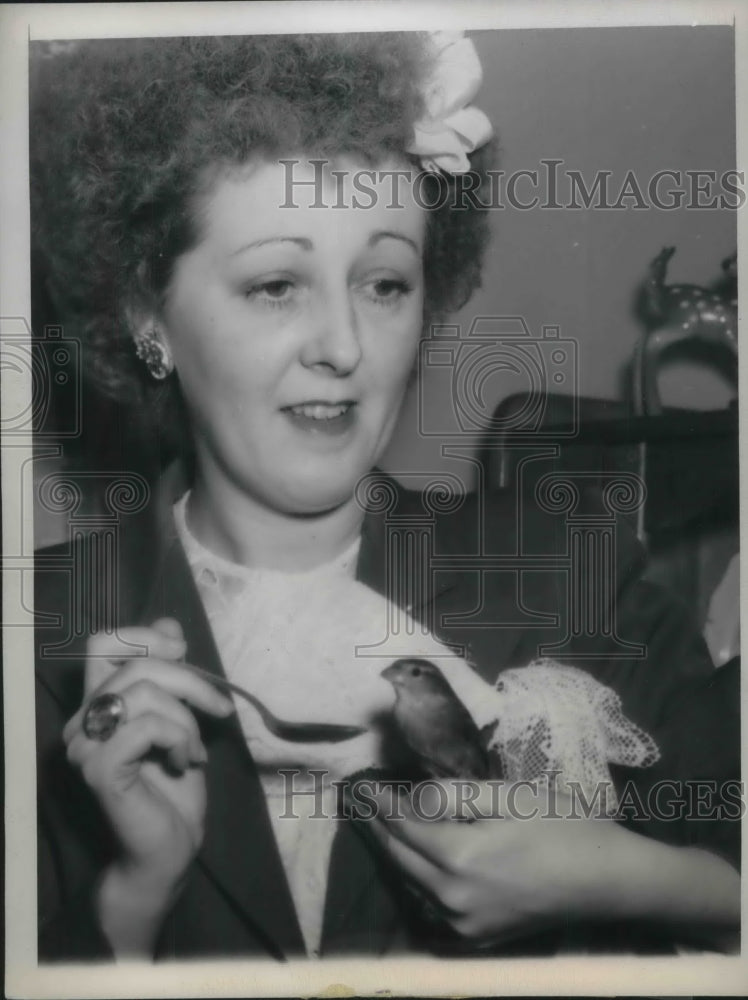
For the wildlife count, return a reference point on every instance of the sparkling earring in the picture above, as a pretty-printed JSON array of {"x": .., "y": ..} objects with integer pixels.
[{"x": 154, "y": 355}]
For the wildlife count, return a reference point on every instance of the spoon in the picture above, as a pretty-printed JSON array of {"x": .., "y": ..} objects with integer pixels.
[{"x": 293, "y": 732}]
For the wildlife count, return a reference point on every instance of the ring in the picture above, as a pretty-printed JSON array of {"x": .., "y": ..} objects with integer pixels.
[{"x": 104, "y": 716}]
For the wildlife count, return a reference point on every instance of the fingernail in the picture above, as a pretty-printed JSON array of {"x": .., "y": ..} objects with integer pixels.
[
  {"x": 227, "y": 707},
  {"x": 200, "y": 755}
]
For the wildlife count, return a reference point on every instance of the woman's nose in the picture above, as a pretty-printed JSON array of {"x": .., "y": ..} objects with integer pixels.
[{"x": 333, "y": 342}]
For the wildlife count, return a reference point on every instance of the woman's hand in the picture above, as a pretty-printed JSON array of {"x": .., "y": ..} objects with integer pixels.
[
  {"x": 515, "y": 871},
  {"x": 148, "y": 776}
]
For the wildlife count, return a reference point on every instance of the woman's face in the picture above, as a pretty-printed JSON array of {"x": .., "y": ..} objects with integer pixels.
[{"x": 294, "y": 330}]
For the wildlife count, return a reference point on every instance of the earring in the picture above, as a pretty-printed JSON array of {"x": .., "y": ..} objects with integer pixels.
[{"x": 154, "y": 355}]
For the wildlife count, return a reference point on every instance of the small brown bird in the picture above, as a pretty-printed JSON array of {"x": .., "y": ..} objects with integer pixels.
[{"x": 435, "y": 724}]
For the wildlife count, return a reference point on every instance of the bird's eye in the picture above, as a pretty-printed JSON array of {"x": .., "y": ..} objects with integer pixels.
[{"x": 415, "y": 671}]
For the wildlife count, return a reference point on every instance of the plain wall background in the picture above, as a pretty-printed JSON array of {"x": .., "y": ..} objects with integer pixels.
[{"x": 641, "y": 99}]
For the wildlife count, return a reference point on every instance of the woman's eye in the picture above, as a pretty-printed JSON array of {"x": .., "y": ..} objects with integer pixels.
[
  {"x": 275, "y": 293},
  {"x": 387, "y": 291}
]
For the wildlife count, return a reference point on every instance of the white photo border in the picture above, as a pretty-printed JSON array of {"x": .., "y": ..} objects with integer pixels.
[{"x": 22, "y": 23}]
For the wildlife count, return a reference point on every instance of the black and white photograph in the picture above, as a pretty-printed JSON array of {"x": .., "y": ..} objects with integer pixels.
[{"x": 371, "y": 498}]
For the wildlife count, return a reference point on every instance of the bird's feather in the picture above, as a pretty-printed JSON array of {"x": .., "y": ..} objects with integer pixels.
[{"x": 435, "y": 724}]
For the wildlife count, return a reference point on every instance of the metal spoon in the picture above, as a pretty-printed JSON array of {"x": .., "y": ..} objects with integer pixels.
[{"x": 294, "y": 732}]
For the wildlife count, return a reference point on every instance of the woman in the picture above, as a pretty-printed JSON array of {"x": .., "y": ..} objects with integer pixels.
[{"x": 260, "y": 266}]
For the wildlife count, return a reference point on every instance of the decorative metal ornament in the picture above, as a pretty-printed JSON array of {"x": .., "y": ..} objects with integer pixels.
[
  {"x": 104, "y": 716},
  {"x": 707, "y": 313},
  {"x": 675, "y": 314},
  {"x": 154, "y": 355}
]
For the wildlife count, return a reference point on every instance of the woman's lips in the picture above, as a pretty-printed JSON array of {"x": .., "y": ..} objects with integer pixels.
[{"x": 322, "y": 417}]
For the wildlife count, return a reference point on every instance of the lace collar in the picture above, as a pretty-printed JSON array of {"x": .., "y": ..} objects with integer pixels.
[{"x": 212, "y": 571}]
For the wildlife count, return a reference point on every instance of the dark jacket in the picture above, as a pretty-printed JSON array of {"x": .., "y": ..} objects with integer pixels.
[{"x": 494, "y": 584}]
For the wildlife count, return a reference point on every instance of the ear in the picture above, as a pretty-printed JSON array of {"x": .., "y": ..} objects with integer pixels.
[
  {"x": 143, "y": 311},
  {"x": 143, "y": 319},
  {"x": 150, "y": 338}
]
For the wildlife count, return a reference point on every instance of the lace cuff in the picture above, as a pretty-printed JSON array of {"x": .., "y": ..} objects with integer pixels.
[{"x": 556, "y": 723}]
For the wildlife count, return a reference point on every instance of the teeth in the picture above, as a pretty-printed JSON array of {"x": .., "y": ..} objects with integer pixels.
[{"x": 319, "y": 411}]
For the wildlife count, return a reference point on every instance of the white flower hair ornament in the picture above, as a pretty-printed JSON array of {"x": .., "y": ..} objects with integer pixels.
[{"x": 451, "y": 128}]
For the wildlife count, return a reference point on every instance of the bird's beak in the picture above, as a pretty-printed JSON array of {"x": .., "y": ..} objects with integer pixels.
[{"x": 390, "y": 673}]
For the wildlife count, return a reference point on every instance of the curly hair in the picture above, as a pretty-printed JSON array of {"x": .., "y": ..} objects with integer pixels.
[{"x": 122, "y": 131}]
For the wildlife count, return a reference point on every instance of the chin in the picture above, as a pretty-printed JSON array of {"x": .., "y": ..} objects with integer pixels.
[
  {"x": 317, "y": 496},
  {"x": 317, "y": 484}
]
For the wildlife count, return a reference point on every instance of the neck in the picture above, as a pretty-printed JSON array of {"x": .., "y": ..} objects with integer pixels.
[{"x": 244, "y": 530}]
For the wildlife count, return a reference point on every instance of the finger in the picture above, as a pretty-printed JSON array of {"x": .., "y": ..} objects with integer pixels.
[
  {"x": 123, "y": 777},
  {"x": 172, "y": 677},
  {"x": 98, "y": 670},
  {"x": 417, "y": 866},
  {"x": 439, "y": 843},
  {"x": 144, "y": 697},
  {"x": 432, "y": 840},
  {"x": 177, "y": 679},
  {"x": 459, "y": 799},
  {"x": 169, "y": 627},
  {"x": 106, "y": 766},
  {"x": 135, "y": 641}
]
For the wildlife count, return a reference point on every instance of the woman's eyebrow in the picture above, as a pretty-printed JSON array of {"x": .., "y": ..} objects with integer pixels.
[
  {"x": 391, "y": 234},
  {"x": 301, "y": 241},
  {"x": 306, "y": 244}
]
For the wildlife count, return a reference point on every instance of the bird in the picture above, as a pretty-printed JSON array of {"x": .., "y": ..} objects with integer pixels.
[{"x": 435, "y": 724}]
